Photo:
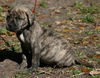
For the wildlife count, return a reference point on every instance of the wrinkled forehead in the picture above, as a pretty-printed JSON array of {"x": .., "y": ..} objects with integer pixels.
[{"x": 19, "y": 11}]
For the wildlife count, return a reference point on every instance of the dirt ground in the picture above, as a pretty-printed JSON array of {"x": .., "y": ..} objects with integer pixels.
[{"x": 67, "y": 17}]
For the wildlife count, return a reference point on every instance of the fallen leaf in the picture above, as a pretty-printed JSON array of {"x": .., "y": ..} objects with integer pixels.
[
  {"x": 82, "y": 28},
  {"x": 70, "y": 30},
  {"x": 63, "y": 22},
  {"x": 85, "y": 70},
  {"x": 95, "y": 72},
  {"x": 85, "y": 42},
  {"x": 42, "y": 16},
  {"x": 5, "y": 6},
  {"x": 3, "y": 36},
  {"x": 97, "y": 27},
  {"x": 66, "y": 30},
  {"x": 97, "y": 56},
  {"x": 57, "y": 11},
  {"x": 13, "y": 33},
  {"x": 1, "y": 21}
]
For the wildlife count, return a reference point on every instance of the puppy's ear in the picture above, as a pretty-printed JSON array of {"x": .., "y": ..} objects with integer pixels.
[
  {"x": 30, "y": 17},
  {"x": 8, "y": 14},
  {"x": 9, "y": 10}
]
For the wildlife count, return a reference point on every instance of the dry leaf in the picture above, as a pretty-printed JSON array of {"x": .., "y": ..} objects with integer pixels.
[
  {"x": 5, "y": 6},
  {"x": 61, "y": 22},
  {"x": 85, "y": 70},
  {"x": 1, "y": 21},
  {"x": 42, "y": 16},
  {"x": 67, "y": 30},
  {"x": 82, "y": 28},
  {"x": 97, "y": 27},
  {"x": 3, "y": 36},
  {"x": 97, "y": 56},
  {"x": 13, "y": 33},
  {"x": 70, "y": 30},
  {"x": 57, "y": 11},
  {"x": 95, "y": 72}
]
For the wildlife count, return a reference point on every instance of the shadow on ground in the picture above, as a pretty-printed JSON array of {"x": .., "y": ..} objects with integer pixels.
[{"x": 8, "y": 54}]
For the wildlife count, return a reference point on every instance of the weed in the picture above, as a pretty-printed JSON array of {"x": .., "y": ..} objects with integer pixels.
[
  {"x": 71, "y": 18},
  {"x": 46, "y": 25},
  {"x": 16, "y": 76},
  {"x": 88, "y": 18},
  {"x": 98, "y": 45},
  {"x": 4, "y": 31},
  {"x": 95, "y": 76},
  {"x": 74, "y": 71},
  {"x": 21, "y": 74},
  {"x": 97, "y": 31},
  {"x": 89, "y": 32},
  {"x": 43, "y": 4},
  {"x": 80, "y": 53},
  {"x": 78, "y": 4},
  {"x": 17, "y": 48},
  {"x": 1, "y": 9},
  {"x": 90, "y": 10}
]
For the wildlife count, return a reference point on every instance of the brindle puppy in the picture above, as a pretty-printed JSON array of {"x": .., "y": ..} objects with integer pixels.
[{"x": 37, "y": 42}]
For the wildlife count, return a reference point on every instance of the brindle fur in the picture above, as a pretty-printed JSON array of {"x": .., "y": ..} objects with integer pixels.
[{"x": 37, "y": 42}]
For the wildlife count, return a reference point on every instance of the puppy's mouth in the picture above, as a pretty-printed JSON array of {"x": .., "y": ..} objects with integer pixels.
[
  {"x": 16, "y": 29},
  {"x": 11, "y": 29}
]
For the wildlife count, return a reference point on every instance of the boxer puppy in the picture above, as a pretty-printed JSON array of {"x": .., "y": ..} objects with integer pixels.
[{"x": 39, "y": 43}]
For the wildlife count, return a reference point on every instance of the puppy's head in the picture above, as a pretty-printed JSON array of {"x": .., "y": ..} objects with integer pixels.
[{"x": 18, "y": 18}]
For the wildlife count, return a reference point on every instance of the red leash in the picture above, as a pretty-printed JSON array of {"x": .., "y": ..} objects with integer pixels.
[{"x": 35, "y": 4}]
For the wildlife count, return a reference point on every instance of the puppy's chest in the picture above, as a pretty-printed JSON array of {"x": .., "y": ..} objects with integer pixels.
[
  {"x": 25, "y": 38},
  {"x": 22, "y": 37}
]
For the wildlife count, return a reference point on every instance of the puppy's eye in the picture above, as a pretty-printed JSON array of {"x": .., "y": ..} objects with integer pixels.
[
  {"x": 8, "y": 17},
  {"x": 19, "y": 18}
]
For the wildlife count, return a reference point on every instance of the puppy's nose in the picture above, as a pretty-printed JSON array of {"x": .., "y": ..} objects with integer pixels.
[{"x": 10, "y": 25}]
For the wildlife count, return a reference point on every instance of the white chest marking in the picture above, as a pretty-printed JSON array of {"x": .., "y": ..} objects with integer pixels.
[{"x": 22, "y": 37}]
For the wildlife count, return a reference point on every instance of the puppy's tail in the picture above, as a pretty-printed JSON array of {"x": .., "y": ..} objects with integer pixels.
[{"x": 84, "y": 63}]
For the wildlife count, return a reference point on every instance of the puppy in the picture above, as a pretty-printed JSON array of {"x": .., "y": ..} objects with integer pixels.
[{"x": 37, "y": 42}]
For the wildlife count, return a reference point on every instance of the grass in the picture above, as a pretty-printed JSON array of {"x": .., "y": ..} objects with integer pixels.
[
  {"x": 89, "y": 32},
  {"x": 88, "y": 19},
  {"x": 1, "y": 11},
  {"x": 9, "y": 43},
  {"x": 97, "y": 31},
  {"x": 78, "y": 4},
  {"x": 89, "y": 14},
  {"x": 46, "y": 25},
  {"x": 80, "y": 53},
  {"x": 89, "y": 10},
  {"x": 74, "y": 71},
  {"x": 21, "y": 74},
  {"x": 4, "y": 31},
  {"x": 43, "y": 4},
  {"x": 96, "y": 76},
  {"x": 14, "y": 45},
  {"x": 17, "y": 47},
  {"x": 71, "y": 18}
]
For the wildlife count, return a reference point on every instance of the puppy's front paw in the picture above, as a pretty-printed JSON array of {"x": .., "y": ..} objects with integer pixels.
[{"x": 32, "y": 69}]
